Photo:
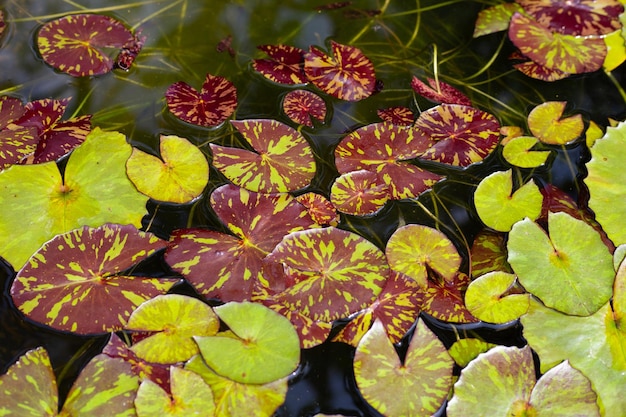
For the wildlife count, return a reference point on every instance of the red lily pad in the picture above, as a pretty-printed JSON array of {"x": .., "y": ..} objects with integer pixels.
[
  {"x": 76, "y": 281},
  {"x": 78, "y": 44},
  {"x": 347, "y": 74},
  {"x": 321, "y": 210},
  {"x": 539, "y": 72},
  {"x": 210, "y": 107},
  {"x": 488, "y": 253},
  {"x": 311, "y": 332},
  {"x": 439, "y": 92},
  {"x": 302, "y": 106},
  {"x": 283, "y": 160},
  {"x": 566, "y": 53},
  {"x": 258, "y": 222},
  {"x": 359, "y": 193},
  {"x": 397, "y": 115},
  {"x": 285, "y": 65},
  {"x": 16, "y": 142},
  {"x": 444, "y": 299},
  {"x": 464, "y": 135}
]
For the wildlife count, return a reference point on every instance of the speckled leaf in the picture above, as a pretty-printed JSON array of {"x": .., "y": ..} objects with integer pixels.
[
  {"x": 566, "y": 53},
  {"x": 234, "y": 398},
  {"x": 547, "y": 124},
  {"x": 495, "y": 18},
  {"x": 444, "y": 299},
  {"x": 415, "y": 249},
  {"x": 495, "y": 298},
  {"x": 397, "y": 308},
  {"x": 29, "y": 387},
  {"x": 397, "y": 115},
  {"x": 311, "y": 332},
  {"x": 321, "y": 210},
  {"x": 76, "y": 281},
  {"x": 417, "y": 387},
  {"x": 331, "y": 273},
  {"x": 463, "y": 351},
  {"x": 359, "y": 193},
  {"x": 439, "y": 92},
  {"x": 347, "y": 74},
  {"x": 3, "y": 25},
  {"x": 605, "y": 181},
  {"x": 78, "y": 44},
  {"x": 285, "y": 65},
  {"x": 95, "y": 190},
  {"x": 463, "y": 135},
  {"x": 105, "y": 387},
  {"x": 257, "y": 222},
  {"x": 174, "y": 319},
  {"x": 210, "y": 107},
  {"x": 533, "y": 255},
  {"x": 179, "y": 176},
  {"x": 499, "y": 207},
  {"x": 580, "y": 17},
  {"x": 190, "y": 395},
  {"x": 282, "y": 162},
  {"x": 16, "y": 142},
  {"x": 302, "y": 106},
  {"x": 488, "y": 253},
  {"x": 518, "y": 152},
  {"x": 532, "y": 69}
]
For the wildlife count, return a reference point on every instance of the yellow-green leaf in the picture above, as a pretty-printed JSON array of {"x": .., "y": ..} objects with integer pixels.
[
  {"x": 517, "y": 151},
  {"x": 547, "y": 123},
  {"x": 488, "y": 298}
]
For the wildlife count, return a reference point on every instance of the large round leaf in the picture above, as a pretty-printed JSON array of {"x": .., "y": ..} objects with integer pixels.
[
  {"x": 565, "y": 274},
  {"x": 417, "y": 387},
  {"x": 75, "y": 282},
  {"x": 175, "y": 319},
  {"x": 265, "y": 346},
  {"x": 359, "y": 193},
  {"x": 283, "y": 160},
  {"x": 178, "y": 177}
]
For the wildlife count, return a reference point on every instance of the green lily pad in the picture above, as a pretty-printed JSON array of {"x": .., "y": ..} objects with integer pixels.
[
  {"x": 547, "y": 124},
  {"x": 175, "y": 319},
  {"x": 566, "y": 275},
  {"x": 489, "y": 299},
  {"x": 499, "y": 207},
  {"x": 94, "y": 190},
  {"x": 179, "y": 177},
  {"x": 190, "y": 395},
  {"x": 266, "y": 346},
  {"x": 517, "y": 151},
  {"x": 463, "y": 351},
  {"x": 417, "y": 387},
  {"x": 495, "y": 18}
]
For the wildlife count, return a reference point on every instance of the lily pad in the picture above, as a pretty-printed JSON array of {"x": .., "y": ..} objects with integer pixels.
[
  {"x": 495, "y": 18},
  {"x": 174, "y": 319},
  {"x": 463, "y": 351},
  {"x": 285, "y": 65},
  {"x": 16, "y": 142},
  {"x": 499, "y": 207},
  {"x": 535, "y": 255},
  {"x": 488, "y": 253},
  {"x": 178, "y": 177},
  {"x": 321, "y": 210},
  {"x": 303, "y": 106},
  {"x": 547, "y": 124},
  {"x": 439, "y": 92},
  {"x": 265, "y": 347},
  {"x": 416, "y": 386},
  {"x": 494, "y": 298},
  {"x": 397, "y": 115},
  {"x": 283, "y": 160},
  {"x": 444, "y": 299},
  {"x": 76, "y": 281},
  {"x": 518, "y": 152},
  {"x": 359, "y": 193}
]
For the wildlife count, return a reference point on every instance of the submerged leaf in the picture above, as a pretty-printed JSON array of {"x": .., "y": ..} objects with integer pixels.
[{"x": 397, "y": 115}]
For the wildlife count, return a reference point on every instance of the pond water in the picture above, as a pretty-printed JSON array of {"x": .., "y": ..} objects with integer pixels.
[{"x": 402, "y": 38}]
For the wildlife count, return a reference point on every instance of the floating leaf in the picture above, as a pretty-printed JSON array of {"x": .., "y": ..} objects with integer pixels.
[
  {"x": 346, "y": 75},
  {"x": 418, "y": 386},
  {"x": 16, "y": 142},
  {"x": 415, "y": 249},
  {"x": 302, "y": 106},
  {"x": 463, "y": 351},
  {"x": 93, "y": 191},
  {"x": 495, "y": 18},
  {"x": 566, "y": 53},
  {"x": 547, "y": 124},
  {"x": 265, "y": 346},
  {"x": 606, "y": 182},
  {"x": 518, "y": 152},
  {"x": 539, "y": 72},
  {"x": 397, "y": 115},
  {"x": 76, "y": 281},
  {"x": 321, "y": 210},
  {"x": 616, "y": 50},
  {"x": 285, "y": 66},
  {"x": 488, "y": 253},
  {"x": 439, "y": 92},
  {"x": 178, "y": 177},
  {"x": 494, "y": 298},
  {"x": 311, "y": 332},
  {"x": 210, "y": 107},
  {"x": 283, "y": 160},
  {"x": 444, "y": 299},
  {"x": 535, "y": 255},
  {"x": 499, "y": 207},
  {"x": 175, "y": 319},
  {"x": 77, "y": 44},
  {"x": 463, "y": 135},
  {"x": 359, "y": 193},
  {"x": 258, "y": 222},
  {"x": 190, "y": 396}
]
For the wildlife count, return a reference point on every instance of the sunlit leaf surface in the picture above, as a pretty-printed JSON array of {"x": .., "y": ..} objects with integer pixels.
[
  {"x": 179, "y": 176},
  {"x": 416, "y": 386},
  {"x": 302, "y": 106},
  {"x": 215, "y": 102},
  {"x": 16, "y": 142},
  {"x": 359, "y": 193},
  {"x": 78, "y": 44},
  {"x": 346, "y": 74},
  {"x": 439, "y": 92},
  {"x": 76, "y": 281},
  {"x": 285, "y": 65},
  {"x": 539, "y": 72},
  {"x": 282, "y": 161},
  {"x": 495, "y": 18},
  {"x": 518, "y": 152},
  {"x": 494, "y": 298},
  {"x": 547, "y": 124},
  {"x": 397, "y": 115},
  {"x": 174, "y": 319}
]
